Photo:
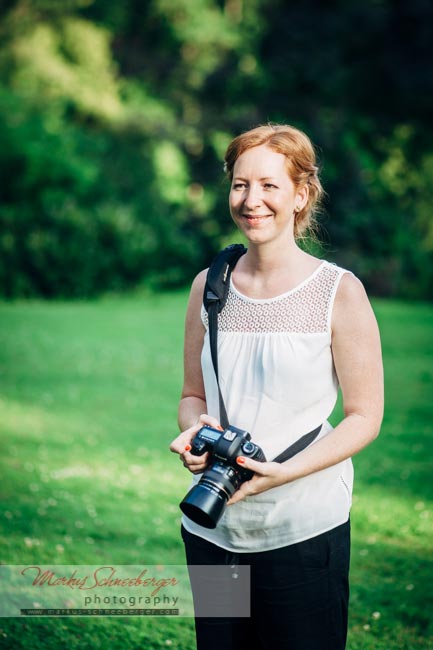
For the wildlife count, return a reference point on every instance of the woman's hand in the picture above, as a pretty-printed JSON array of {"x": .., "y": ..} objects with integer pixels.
[
  {"x": 266, "y": 476},
  {"x": 182, "y": 445}
]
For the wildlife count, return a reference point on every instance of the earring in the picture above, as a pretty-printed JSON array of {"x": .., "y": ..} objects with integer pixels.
[{"x": 298, "y": 208}]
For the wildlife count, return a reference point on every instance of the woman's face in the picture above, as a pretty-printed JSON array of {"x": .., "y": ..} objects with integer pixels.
[{"x": 263, "y": 197}]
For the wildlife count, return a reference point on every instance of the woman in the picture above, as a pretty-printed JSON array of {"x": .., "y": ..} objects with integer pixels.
[{"x": 294, "y": 329}]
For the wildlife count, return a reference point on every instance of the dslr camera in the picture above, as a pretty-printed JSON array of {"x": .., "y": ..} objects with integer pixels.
[{"x": 205, "y": 502}]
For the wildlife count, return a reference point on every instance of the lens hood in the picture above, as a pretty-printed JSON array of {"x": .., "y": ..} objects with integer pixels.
[{"x": 204, "y": 504}]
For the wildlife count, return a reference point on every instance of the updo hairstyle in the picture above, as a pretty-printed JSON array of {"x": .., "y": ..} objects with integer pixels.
[{"x": 302, "y": 168}]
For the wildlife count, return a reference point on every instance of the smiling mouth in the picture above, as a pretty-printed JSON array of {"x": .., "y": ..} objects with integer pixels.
[{"x": 256, "y": 217}]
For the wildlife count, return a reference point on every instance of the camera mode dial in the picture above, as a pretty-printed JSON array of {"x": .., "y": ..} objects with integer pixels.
[{"x": 248, "y": 447}]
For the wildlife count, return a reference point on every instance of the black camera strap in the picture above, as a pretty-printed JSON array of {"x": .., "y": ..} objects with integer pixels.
[
  {"x": 214, "y": 299},
  {"x": 298, "y": 446}
]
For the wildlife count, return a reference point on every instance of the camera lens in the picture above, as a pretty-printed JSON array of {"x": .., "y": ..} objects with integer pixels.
[{"x": 204, "y": 504}]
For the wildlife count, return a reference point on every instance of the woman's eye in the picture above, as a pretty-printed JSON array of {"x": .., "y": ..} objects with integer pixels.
[
  {"x": 239, "y": 186},
  {"x": 269, "y": 186}
]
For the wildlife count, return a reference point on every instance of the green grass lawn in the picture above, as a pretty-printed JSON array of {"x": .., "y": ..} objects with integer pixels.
[{"x": 88, "y": 400}]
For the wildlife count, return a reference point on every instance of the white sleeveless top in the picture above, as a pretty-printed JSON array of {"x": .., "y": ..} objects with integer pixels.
[{"x": 278, "y": 382}]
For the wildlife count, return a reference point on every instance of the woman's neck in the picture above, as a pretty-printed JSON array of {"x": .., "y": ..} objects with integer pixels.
[
  {"x": 266, "y": 271},
  {"x": 270, "y": 259}
]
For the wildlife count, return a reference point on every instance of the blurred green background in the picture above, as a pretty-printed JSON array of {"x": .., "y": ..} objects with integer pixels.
[{"x": 114, "y": 118}]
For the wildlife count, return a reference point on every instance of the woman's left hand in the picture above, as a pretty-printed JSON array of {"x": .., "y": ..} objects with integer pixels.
[{"x": 266, "y": 476}]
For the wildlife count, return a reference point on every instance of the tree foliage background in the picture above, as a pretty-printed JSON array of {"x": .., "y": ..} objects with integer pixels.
[{"x": 114, "y": 117}]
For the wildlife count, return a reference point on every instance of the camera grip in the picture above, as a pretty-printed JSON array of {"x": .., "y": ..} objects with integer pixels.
[{"x": 198, "y": 447}]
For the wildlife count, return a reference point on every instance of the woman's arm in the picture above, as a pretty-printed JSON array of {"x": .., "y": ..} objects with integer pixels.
[
  {"x": 358, "y": 362},
  {"x": 192, "y": 414},
  {"x": 193, "y": 401}
]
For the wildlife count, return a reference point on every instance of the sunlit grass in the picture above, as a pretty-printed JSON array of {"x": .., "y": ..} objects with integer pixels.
[{"x": 88, "y": 405}]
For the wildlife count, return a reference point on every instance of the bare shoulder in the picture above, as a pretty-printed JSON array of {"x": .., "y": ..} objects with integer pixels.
[
  {"x": 196, "y": 293},
  {"x": 199, "y": 282},
  {"x": 196, "y": 300},
  {"x": 352, "y": 306},
  {"x": 350, "y": 290}
]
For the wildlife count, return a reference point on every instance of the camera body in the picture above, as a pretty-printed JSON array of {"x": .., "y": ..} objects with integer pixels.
[
  {"x": 205, "y": 502},
  {"x": 226, "y": 446}
]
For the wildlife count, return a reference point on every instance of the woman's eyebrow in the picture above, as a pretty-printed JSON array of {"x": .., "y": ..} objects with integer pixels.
[{"x": 265, "y": 178}]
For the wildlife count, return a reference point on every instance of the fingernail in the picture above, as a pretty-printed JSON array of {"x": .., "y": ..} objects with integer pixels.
[
  {"x": 240, "y": 460},
  {"x": 188, "y": 448}
]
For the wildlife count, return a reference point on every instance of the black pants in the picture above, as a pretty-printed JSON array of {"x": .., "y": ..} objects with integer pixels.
[{"x": 299, "y": 595}]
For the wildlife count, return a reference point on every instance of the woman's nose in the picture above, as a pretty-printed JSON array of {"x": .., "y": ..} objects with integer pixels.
[{"x": 252, "y": 198}]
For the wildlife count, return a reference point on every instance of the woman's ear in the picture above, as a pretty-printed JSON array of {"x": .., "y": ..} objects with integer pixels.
[{"x": 302, "y": 197}]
